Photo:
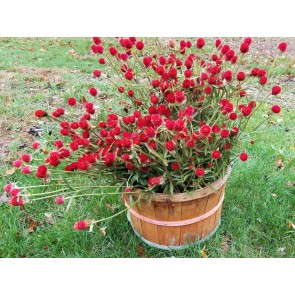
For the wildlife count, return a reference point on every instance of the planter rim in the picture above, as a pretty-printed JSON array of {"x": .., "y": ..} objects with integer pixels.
[{"x": 189, "y": 196}]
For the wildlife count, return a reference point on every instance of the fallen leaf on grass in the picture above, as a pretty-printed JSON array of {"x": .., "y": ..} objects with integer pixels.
[
  {"x": 83, "y": 99},
  {"x": 274, "y": 195},
  {"x": 49, "y": 219},
  {"x": 7, "y": 101},
  {"x": 291, "y": 183},
  {"x": 102, "y": 230},
  {"x": 73, "y": 52},
  {"x": 32, "y": 225},
  {"x": 140, "y": 251},
  {"x": 279, "y": 163},
  {"x": 203, "y": 253},
  {"x": 10, "y": 171},
  {"x": 291, "y": 225}
]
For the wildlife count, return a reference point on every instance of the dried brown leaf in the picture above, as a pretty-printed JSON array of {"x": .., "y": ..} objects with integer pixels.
[
  {"x": 7, "y": 101},
  {"x": 10, "y": 171},
  {"x": 203, "y": 253},
  {"x": 291, "y": 225},
  {"x": 279, "y": 163},
  {"x": 48, "y": 218},
  {"x": 140, "y": 251},
  {"x": 73, "y": 52},
  {"x": 32, "y": 225},
  {"x": 102, "y": 230}
]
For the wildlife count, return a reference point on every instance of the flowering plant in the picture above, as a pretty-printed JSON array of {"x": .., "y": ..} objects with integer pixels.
[{"x": 175, "y": 127}]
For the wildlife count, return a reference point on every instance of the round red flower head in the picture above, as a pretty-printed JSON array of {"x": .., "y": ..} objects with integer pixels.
[
  {"x": 82, "y": 224},
  {"x": 276, "y": 109},
  {"x": 170, "y": 146},
  {"x": 200, "y": 172},
  {"x": 35, "y": 145},
  {"x": 275, "y": 90},
  {"x": 93, "y": 91},
  {"x": 59, "y": 200},
  {"x": 282, "y": 46},
  {"x": 40, "y": 114},
  {"x": 216, "y": 154},
  {"x": 72, "y": 101},
  {"x": 244, "y": 48},
  {"x": 200, "y": 43},
  {"x": 243, "y": 157},
  {"x": 139, "y": 45}
]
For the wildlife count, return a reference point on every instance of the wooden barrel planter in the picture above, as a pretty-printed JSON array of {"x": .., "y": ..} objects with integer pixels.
[{"x": 175, "y": 221}]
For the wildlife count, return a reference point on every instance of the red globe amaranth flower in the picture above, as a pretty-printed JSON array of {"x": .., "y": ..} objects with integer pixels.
[
  {"x": 40, "y": 113},
  {"x": 200, "y": 43},
  {"x": 17, "y": 163},
  {"x": 243, "y": 93},
  {"x": 41, "y": 172},
  {"x": 82, "y": 224},
  {"x": 156, "y": 120},
  {"x": 224, "y": 49},
  {"x": 248, "y": 40},
  {"x": 241, "y": 76},
  {"x": 233, "y": 116},
  {"x": 170, "y": 146},
  {"x": 247, "y": 110},
  {"x": 275, "y": 90},
  {"x": 59, "y": 200},
  {"x": 72, "y": 101},
  {"x": 15, "y": 192},
  {"x": 58, "y": 112},
  {"x": 121, "y": 89},
  {"x": 129, "y": 75},
  {"x": 16, "y": 201},
  {"x": 26, "y": 170},
  {"x": 200, "y": 172},
  {"x": 282, "y": 46},
  {"x": 139, "y": 45},
  {"x": 35, "y": 145},
  {"x": 243, "y": 157},
  {"x": 227, "y": 76},
  {"x": 96, "y": 73},
  {"x": 7, "y": 187},
  {"x": 155, "y": 181},
  {"x": 224, "y": 133},
  {"x": 109, "y": 158},
  {"x": 113, "y": 51},
  {"x": 96, "y": 40},
  {"x": 276, "y": 109},
  {"x": 244, "y": 48},
  {"x": 216, "y": 154},
  {"x": 218, "y": 43},
  {"x": 93, "y": 91},
  {"x": 205, "y": 130},
  {"x": 175, "y": 166},
  {"x": 101, "y": 61},
  {"x": 263, "y": 80}
]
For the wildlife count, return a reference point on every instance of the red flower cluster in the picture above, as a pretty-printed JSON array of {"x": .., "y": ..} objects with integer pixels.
[{"x": 179, "y": 115}]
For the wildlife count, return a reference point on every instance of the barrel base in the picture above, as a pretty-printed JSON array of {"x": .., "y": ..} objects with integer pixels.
[{"x": 163, "y": 247}]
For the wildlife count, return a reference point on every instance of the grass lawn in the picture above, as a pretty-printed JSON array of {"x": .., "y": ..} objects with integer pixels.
[{"x": 258, "y": 210}]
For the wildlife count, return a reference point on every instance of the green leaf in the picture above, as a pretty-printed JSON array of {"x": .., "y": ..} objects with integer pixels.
[{"x": 152, "y": 151}]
